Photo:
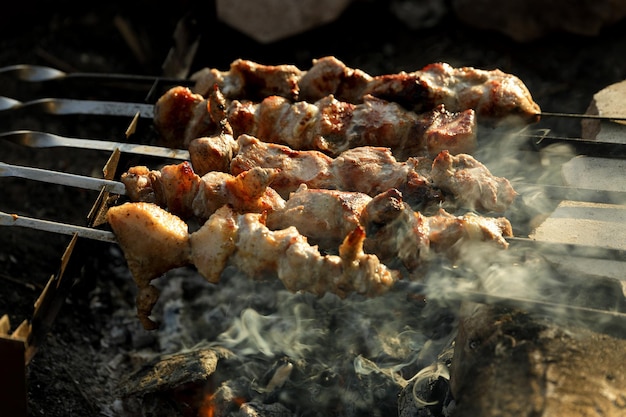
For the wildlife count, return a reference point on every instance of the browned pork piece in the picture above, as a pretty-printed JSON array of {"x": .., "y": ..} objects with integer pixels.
[
  {"x": 495, "y": 95},
  {"x": 328, "y": 125},
  {"x": 212, "y": 153},
  {"x": 250, "y": 80},
  {"x": 325, "y": 217},
  {"x": 184, "y": 193},
  {"x": 400, "y": 236},
  {"x": 155, "y": 241},
  {"x": 471, "y": 183}
]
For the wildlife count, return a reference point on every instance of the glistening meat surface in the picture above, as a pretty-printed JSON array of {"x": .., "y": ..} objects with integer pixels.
[
  {"x": 327, "y": 125},
  {"x": 495, "y": 95},
  {"x": 264, "y": 175}
]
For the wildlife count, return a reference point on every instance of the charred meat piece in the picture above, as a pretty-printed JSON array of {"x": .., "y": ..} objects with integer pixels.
[
  {"x": 395, "y": 233},
  {"x": 495, "y": 95},
  {"x": 445, "y": 230},
  {"x": 311, "y": 168},
  {"x": 471, "y": 183},
  {"x": 328, "y": 125},
  {"x": 251, "y": 80},
  {"x": 175, "y": 118}
]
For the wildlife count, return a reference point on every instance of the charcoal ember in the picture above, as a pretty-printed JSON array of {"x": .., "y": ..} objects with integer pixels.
[
  {"x": 171, "y": 384},
  {"x": 527, "y": 20},
  {"x": 509, "y": 363},
  {"x": 256, "y": 409}
]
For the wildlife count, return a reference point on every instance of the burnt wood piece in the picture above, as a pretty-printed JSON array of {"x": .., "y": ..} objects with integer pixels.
[{"x": 509, "y": 363}]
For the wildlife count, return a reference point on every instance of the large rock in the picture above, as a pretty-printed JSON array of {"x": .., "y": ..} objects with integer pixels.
[
  {"x": 271, "y": 20},
  {"x": 608, "y": 102},
  {"x": 510, "y": 364}
]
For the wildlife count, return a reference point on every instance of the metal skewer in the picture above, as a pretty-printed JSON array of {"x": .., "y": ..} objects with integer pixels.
[
  {"x": 583, "y": 116},
  {"x": 61, "y": 106},
  {"x": 62, "y": 178},
  {"x": 48, "y": 140},
  {"x": 38, "y": 73},
  {"x": 56, "y": 227}
]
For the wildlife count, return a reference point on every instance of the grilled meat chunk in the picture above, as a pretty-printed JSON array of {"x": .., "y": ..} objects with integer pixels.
[
  {"x": 495, "y": 96},
  {"x": 445, "y": 230},
  {"x": 175, "y": 118},
  {"x": 471, "y": 183},
  {"x": 246, "y": 192},
  {"x": 214, "y": 243},
  {"x": 212, "y": 153},
  {"x": 154, "y": 241},
  {"x": 325, "y": 217},
  {"x": 250, "y": 79},
  {"x": 311, "y": 168}
]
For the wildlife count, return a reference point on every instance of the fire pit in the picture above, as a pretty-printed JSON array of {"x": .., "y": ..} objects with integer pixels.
[{"x": 252, "y": 348}]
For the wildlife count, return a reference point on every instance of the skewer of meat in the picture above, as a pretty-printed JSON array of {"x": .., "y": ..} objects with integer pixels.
[
  {"x": 495, "y": 95},
  {"x": 327, "y": 125},
  {"x": 460, "y": 179},
  {"x": 155, "y": 241},
  {"x": 373, "y": 170},
  {"x": 368, "y": 169}
]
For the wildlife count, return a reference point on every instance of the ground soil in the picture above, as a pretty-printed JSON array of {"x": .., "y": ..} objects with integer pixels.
[{"x": 68, "y": 375}]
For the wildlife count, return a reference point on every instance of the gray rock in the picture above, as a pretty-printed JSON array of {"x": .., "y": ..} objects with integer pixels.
[{"x": 271, "y": 20}]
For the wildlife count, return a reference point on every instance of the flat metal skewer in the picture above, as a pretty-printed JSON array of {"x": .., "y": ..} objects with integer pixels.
[
  {"x": 56, "y": 227},
  {"x": 63, "y": 106},
  {"x": 62, "y": 178},
  {"x": 36, "y": 139},
  {"x": 39, "y": 73}
]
